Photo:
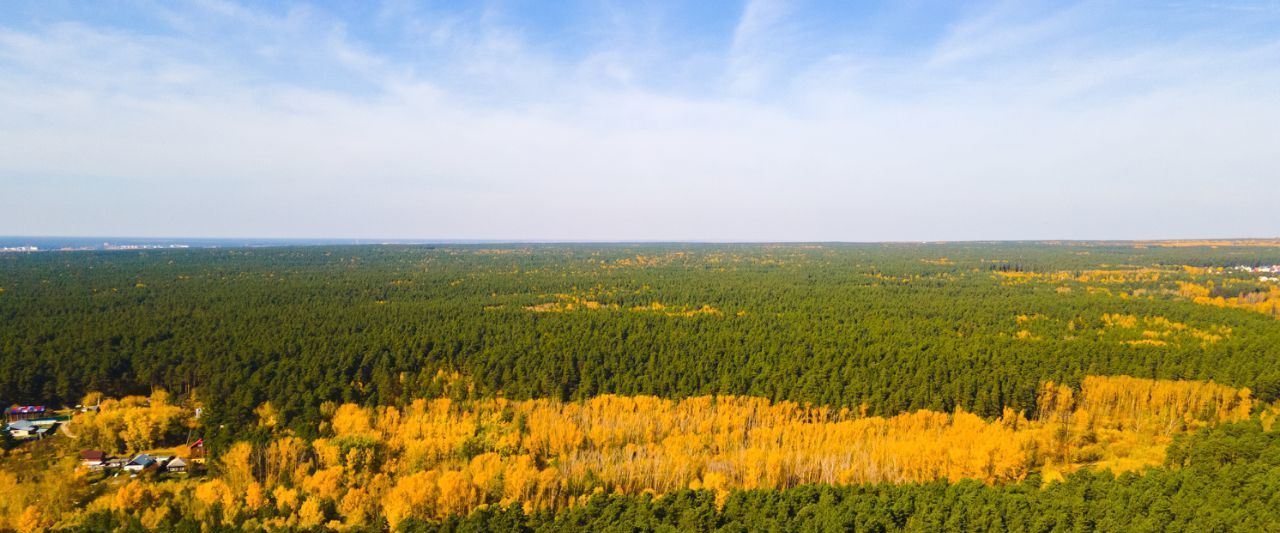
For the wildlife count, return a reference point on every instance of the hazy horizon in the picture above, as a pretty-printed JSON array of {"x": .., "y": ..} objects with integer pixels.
[
  {"x": 594, "y": 121},
  {"x": 18, "y": 240}
]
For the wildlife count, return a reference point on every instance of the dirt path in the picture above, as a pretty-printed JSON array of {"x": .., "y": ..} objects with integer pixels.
[{"x": 65, "y": 428}]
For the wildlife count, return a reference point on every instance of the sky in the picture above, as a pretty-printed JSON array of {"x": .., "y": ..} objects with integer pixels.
[{"x": 763, "y": 120}]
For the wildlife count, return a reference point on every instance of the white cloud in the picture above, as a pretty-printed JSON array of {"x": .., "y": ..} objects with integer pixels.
[
  {"x": 115, "y": 133},
  {"x": 756, "y": 46}
]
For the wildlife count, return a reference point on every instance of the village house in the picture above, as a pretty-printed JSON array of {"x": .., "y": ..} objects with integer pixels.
[
  {"x": 139, "y": 463},
  {"x": 26, "y": 429},
  {"x": 197, "y": 449},
  {"x": 93, "y": 459},
  {"x": 24, "y": 412},
  {"x": 176, "y": 466}
]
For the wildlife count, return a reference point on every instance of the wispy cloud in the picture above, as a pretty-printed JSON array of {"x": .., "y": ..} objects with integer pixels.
[
  {"x": 757, "y": 40},
  {"x": 1014, "y": 123}
]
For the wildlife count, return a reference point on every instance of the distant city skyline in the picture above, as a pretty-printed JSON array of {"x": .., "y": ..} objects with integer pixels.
[{"x": 598, "y": 121}]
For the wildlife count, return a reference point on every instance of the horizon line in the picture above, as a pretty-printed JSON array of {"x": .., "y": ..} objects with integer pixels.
[{"x": 372, "y": 241}]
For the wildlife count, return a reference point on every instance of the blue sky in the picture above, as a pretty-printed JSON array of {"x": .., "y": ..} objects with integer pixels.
[{"x": 596, "y": 120}]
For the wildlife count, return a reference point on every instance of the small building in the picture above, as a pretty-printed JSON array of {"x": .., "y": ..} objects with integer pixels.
[
  {"x": 23, "y": 412},
  {"x": 176, "y": 466},
  {"x": 139, "y": 463},
  {"x": 93, "y": 458},
  {"x": 197, "y": 449},
  {"x": 25, "y": 429}
]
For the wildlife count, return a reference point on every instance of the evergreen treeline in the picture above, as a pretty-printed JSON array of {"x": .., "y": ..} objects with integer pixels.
[{"x": 894, "y": 327}]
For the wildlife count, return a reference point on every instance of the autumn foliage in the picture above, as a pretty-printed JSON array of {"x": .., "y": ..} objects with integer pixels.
[
  {"x": 130, "y": 424},
  {"x": 1266, "y": 302},
  {"x": 436, "y": 458}
]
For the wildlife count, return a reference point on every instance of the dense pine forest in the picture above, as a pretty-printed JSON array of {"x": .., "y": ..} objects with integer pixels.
[
  {"x": 895, "y": 327},
  {"x": 912, "y": 386}
]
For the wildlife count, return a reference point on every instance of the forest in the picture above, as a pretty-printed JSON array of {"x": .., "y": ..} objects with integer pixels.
[{"x": 909, "y": 386}]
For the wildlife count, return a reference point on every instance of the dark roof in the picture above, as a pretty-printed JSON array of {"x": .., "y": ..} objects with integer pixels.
[
  {"x": 93, "y": 455},
  {"x": 142, "y": 459}
]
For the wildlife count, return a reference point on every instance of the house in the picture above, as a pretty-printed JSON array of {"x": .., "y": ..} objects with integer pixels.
[
  {"x": 94, "y": 459},
  {"x": 197, "y": 449},
  {"x": 139, "y": 463},
  {"x": 23, "y": 412},
  {"x": 25, "y": 429},
  {"x": 21, "y": 429},
  {"x": 176, "y": 466}
]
